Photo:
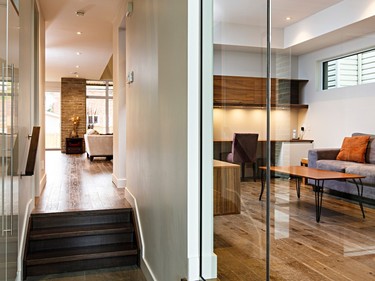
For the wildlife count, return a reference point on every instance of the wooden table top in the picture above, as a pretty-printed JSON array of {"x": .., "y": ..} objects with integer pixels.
[
  {"x": 312, "y": 173},
  {"x": 218, "y": 163}
]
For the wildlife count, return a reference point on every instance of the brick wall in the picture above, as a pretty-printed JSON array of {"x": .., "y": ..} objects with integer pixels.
[{"x": 73, "y": 102}]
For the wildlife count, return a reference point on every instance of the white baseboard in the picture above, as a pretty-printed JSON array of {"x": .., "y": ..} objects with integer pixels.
[
  {"x": 120, "y": 183},
  {"x": 147, "y": 272},
  {"x": 210, "y": 266},
  {"x": 193, "y": 268},
  {"x": 42, "y": 183},
  {"x": 22, "y": 242}
]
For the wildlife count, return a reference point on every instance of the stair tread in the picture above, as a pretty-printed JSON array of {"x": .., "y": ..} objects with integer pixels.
[
  {"x": 82, "y": 213},
  {"x": 74, "y": 231},
  {"x": 82, "y": 253}
]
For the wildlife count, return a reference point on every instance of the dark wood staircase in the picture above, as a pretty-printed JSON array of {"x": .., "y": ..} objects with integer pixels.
[{"x": 82, "y": 240}]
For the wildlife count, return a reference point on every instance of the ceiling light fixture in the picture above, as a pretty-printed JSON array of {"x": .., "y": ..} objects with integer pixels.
[
  {"x": 79, "y": 33},
  {"x": 288, "y": 18},
  {"x": 77, "y": 66},
  {"x": 78, "y": 53},
  {"x": 80, "y": 13}
]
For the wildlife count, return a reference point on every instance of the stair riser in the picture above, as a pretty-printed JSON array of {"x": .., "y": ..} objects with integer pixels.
[
  {"x": 81, "y": 265},
  {"x": 40, "y": 222},
  {"x": 82, "y": 241}
]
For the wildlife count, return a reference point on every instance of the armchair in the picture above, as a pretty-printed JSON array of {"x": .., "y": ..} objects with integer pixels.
[{"x": 99, "y": 146}]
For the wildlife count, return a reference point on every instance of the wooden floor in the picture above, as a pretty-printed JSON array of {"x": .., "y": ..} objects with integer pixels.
[
  {"x": 74, "y": 183},
  {"x": 340, "y": 247}
]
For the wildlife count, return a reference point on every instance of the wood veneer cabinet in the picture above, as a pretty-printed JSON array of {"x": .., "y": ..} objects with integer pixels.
[{"x": 251, "y": 91}]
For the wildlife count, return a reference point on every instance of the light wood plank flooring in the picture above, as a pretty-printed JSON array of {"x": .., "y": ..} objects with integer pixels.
[
  {"x": 74, "y": 183},
  {"x": 340, "y": 247}
]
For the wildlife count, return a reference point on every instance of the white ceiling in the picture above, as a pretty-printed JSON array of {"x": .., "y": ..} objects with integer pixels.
[
  {"x": 253, "y": 12},
  {"x": 95, "y": 43},
  {"x": 62, "y": 41}
]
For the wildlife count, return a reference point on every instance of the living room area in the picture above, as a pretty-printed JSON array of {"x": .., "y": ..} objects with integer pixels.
[{"x": 319, "y": 117}]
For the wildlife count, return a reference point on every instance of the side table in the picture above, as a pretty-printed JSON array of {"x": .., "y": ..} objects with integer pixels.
[{"x": 74, "y": 145}]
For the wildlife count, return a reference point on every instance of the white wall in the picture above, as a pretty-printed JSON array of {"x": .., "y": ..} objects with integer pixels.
[
  {"x": 336, "y": 113},
  {"x": 25, "y": 122},
  {"x": 119, "y": 99},
  {"x": 157, "y": 134},
  {"x": 40, "y": 165}
]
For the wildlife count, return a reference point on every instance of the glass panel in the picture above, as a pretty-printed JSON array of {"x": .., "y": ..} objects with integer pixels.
[
  {"x": 303, "y": 229},
  {"x": 110, "y": 116},
  {"x": 96, "y": 88},
  {"x": 8, "y": 140},
  {"x": 110, "y": 89},
  {"x": 100, "y": 106},
  {"x": 96, "y": 114},
  {"x": 53, "y": 120},
  {"x": 239, "y": 140}
]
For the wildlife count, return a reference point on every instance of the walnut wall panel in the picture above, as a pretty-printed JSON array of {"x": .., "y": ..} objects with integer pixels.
[{"x": 251, "y": 91}]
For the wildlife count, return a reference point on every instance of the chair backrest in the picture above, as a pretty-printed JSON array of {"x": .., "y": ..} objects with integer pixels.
[{"x": 244, "y": 147}]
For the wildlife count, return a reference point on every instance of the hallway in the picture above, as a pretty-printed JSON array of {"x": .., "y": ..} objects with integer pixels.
[{"x": 76, "y": 184}]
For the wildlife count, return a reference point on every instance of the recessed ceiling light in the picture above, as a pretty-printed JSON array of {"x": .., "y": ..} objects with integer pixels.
[
  {"x": 77, "y": 75},
  {"x": 77, "y": 66},
  {"x": 79, "y": 33},
  {"x": 78, "y": 53},
  {"x": 80, "y": 13},
  {"x": 288, "y": 18}
]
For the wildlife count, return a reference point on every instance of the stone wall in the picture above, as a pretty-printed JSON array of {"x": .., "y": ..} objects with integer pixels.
[{"x": 73, "y": 103}]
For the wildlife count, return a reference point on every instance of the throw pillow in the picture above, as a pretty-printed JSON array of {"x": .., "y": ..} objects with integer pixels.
[
  {"x": 92, "y": 132},
  {"x": 370, "y": 152},
  {"x": 353, "y": 149}
]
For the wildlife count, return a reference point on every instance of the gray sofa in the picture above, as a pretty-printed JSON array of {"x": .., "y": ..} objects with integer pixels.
[{"x": 325, "y": 159}]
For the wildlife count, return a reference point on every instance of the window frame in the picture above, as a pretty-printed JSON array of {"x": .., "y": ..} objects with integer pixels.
[
  {"x": 359, "y": 64},
  {"x": 102, "y": 83}
]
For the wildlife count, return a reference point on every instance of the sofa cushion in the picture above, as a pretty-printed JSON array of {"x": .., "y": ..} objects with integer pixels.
[
  {"x": 353, "y": 149},
  {"x": 370, "y": 152},
  {"x": 367, "y": 170},
  {"x": 333, "y": 165},
  {"x": 92, "y": 132}
]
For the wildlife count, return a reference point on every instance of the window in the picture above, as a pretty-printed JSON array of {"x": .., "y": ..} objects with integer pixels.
[
  {"x": 350, "y": 70},
  {"x": 53, "y": 120},
  {"x": 99, "y": 106}
]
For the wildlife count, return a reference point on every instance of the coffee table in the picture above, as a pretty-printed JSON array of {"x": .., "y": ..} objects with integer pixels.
[{"x": 319, "y": 176}]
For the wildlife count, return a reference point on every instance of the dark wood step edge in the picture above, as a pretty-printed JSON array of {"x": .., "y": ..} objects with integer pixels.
[
  {"x": 79, "y": 257},
  {"x": 54, "y": 233}
]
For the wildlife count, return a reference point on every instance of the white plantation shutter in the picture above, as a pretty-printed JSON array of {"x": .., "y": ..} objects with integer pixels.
[
  {"x": 368, "y": 67},
  {"x": 349, "y": 71}
]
